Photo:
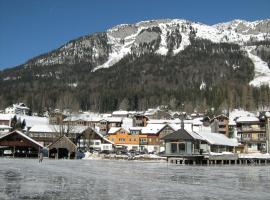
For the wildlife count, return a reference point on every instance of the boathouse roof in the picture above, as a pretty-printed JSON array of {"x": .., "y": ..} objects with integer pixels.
[{"x": 182, "y": 134}]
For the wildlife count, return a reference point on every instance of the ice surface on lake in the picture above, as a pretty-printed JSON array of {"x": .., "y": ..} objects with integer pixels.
[{"x": 130, "y": 180}]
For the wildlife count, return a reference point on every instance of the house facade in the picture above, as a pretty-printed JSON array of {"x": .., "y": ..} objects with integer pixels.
[
  {"x": 20, "y": 109},
  {"x": 182, "y": 142},
  {"x": 122, "y": 137},
  {"x": 220, "y": 124},
  {"x": 251, "y": 133},
  {"x": 91, "y": 139}
]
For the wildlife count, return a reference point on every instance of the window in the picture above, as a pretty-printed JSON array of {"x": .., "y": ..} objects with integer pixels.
[
  {"x": 142, "y": 139},
  {"x": 182, "y": 147},
  {"x": 150, "y": 140},
  {"x": 122, "y": 139},
  {"x": 173, "y": 148},
  {"x": 97, "y": 143},
  {"x": 112, "y": 139}
]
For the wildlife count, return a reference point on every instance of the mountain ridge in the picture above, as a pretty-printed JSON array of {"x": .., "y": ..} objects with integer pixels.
[{"x": 148, "y": 64}]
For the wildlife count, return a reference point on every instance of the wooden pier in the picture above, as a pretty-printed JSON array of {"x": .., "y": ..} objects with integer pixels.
[{"x": 217, "y": 160}]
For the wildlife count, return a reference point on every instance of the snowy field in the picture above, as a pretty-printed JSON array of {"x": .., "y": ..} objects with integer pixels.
[{"x": 130, "y": 180}]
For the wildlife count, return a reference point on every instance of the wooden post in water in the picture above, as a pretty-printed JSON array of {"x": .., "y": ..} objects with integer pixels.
[
  {"x": 56, "y": 156},
  {"x": 14, "y": 151}
]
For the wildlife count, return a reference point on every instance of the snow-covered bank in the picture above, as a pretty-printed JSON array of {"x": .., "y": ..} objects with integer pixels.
[
  {"x": 96, "y": 156},
  {"x": 255, "y": 155}
]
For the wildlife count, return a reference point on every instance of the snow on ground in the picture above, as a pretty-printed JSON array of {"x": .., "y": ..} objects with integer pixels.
[
  {"x": 33, "y": 120},
  {"x": 163, "y": 50},
  {"x": 255, "y": 155},
  {"x": 261, "y": 69}
]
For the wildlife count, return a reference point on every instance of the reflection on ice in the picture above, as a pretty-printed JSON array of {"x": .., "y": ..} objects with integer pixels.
[{"x": 90, "y": 179}]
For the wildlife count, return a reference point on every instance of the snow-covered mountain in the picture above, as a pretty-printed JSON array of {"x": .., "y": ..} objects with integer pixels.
[{"x": 168, "y": 36}]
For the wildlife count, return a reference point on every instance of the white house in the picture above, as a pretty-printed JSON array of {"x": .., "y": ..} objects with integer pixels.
[{"x": 20, "y": 109}]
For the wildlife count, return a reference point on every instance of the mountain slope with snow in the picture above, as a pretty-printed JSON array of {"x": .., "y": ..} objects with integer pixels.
[{"x": 162, "y": 37}]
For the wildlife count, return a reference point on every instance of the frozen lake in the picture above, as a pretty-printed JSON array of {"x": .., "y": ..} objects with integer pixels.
[{"x": 131, "y": 180}]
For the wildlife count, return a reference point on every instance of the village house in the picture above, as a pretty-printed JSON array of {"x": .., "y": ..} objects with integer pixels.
[
  {"x": 91, "y": 139},
  {"x": 63, "y": 147},
  {"x": 251, "y": 133},
  {"x": 220, "y": 124},
  {"x": 140, "y": 120},
  {"x": 5, "y": 123},
  {"x": 157, "y": 114},
  {"x": 19, "y": 109},
  {"x": 47, "y": 134},
  {"x": 104, "y": 124},
  {"x": 17, "y": 144},
  {"x": 185, "y": 142},
  {"x": 122, "y": 137}
]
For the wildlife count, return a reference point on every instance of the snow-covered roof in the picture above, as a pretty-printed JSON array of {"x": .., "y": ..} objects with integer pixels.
[
  {"x": 33, "y": 120},
  {"x": 152, "y": 128},
  {"x": 164, "y": 121},
  {"x": 218, "y": 139},
  {"x": 56, "y": 128},
  {"x": 114, "y": 130},
  {"x": 88, "y": 116},
  {"x": 120, "y": 112},
  {"x": 6, "y": 116},
  {"x": 247, "y": 119},
  {"x": 238, "y": 113},
  {"x": 114, "y": 119},
  {"x": 198, "y": 121},
  {"x": 23, "y": 135},
  {"x": 4, "y": 126},
  {"x": 195, "y": 135},
  {"x": 137, "y": 128}
]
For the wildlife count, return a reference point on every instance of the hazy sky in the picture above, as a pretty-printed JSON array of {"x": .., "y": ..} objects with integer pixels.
[{"x": 32, "y": 27}]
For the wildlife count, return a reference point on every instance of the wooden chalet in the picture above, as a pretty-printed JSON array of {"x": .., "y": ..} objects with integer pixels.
[
  {"x": 90, "y": 139},
  {"x": 17, "y": 144},
  {"x": 62, "y": 148}
]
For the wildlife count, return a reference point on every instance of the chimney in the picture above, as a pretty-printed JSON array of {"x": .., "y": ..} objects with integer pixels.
[{"x": 182, "y": 122}]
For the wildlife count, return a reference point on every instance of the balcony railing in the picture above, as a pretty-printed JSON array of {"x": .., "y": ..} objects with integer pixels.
[
  {"x": 252, "y": 139},
  {"x": 143, "y": 143},
  {"x": 250, "y": 129}
]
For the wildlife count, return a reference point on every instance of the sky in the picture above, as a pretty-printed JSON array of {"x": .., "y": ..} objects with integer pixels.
[{"x": 29, "y": 28}]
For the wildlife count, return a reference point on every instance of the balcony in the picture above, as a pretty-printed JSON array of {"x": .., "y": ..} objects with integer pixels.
[
  {"x": 263, "y": 139},
  {"x": 250, "y": 129},
  {"x": 143, "y": 143}
]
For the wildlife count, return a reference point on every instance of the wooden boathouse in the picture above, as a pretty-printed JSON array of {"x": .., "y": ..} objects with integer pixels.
[
  {"x": 62, "y": 148},
  {"x": 17, "y": 144}
]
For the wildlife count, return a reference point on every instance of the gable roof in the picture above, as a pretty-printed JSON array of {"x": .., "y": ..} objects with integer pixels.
[
  {"x": 63, "y": 142},
  {"x": 99, "y": 134},
  {"x": 182, "y": 134},
  {"x": 218, "y": 139},
  {"x": 22, "y": 135},
  {"x": 113, "y": 130}
]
